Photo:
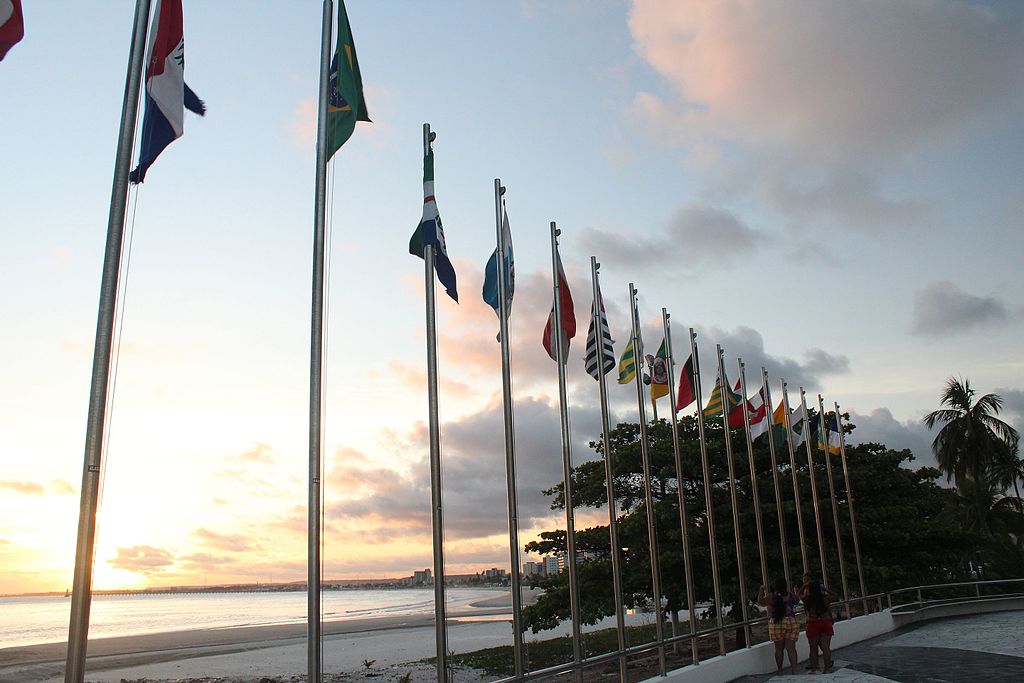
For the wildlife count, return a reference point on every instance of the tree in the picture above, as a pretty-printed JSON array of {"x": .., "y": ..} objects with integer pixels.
[
  {"x": 971, "y": 441},
  {"x": 910, "y": 528}
]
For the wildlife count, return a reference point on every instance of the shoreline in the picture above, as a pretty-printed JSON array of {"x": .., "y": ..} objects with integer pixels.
[{"x": 243, "y": 653}]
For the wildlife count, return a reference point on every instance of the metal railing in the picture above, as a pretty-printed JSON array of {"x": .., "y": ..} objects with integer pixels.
[{"x": 855, "y": 606}]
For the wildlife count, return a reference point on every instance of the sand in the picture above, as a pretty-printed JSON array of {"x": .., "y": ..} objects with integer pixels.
[{"x": 390, "y": 645}]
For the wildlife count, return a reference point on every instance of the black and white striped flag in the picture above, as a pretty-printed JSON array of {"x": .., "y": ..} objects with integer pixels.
[{"x": 608, "y": 353}]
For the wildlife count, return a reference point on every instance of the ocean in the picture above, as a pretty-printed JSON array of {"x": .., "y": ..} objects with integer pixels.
[{"x": 36, "y": 620}]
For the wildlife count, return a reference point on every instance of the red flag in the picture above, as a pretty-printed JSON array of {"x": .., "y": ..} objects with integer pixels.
[
  {"x": 568, "y": 325},
  {"x": 12, "y": 25},
  {"x": 736, "y": 414},
  {"x": 686, "y": 393}
]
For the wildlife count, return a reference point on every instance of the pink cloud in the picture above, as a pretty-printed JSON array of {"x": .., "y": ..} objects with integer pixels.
[{"x": 29, "y": 488}]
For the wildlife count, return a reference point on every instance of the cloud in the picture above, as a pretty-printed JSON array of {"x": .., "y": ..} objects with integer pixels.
[
  {"x": 856, "y": 80},
  {"x": 415, "y": 379},
  {"x": 142, "y": 559},
  {"x": 879, "y": 426},
  {"x": 60, "y": 486},
  {"x": 29, "y": 488},
  {"x": 748, "y": 344},
  {"x": 390, "y": 504},
  {"x": 303, "y": 124},
  {"x": 698, "y": 235},
  {"x": 818, "y": 109},
  {"x": 259, "y": 452},
  {"x": 229, "y": 542},
  {"x": 1013, "y": 406},
  {"x": 942, "y": 308}
]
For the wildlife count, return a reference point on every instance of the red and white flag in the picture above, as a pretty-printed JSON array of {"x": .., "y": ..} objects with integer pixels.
[
  {"x": 12, "y": 25},
  {"x": 568, "y": 325}
]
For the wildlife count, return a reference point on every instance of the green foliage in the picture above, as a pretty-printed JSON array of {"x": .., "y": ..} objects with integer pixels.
[{"x": 911, "y": 529}]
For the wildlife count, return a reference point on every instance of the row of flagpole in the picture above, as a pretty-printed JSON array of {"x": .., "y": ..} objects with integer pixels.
[{"x": 341, "y": 104}]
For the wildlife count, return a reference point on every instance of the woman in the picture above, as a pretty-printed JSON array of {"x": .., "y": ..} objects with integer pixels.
[
  {"x": 816, "y": 599},
  {"x": 783, "y": 628}
]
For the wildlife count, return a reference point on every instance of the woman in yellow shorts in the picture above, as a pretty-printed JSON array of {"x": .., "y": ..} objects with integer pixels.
[{"x": 783, "y": 628}]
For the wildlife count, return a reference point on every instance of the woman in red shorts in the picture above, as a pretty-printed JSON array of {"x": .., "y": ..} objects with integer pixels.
[
  {"x": 816, "y": 599},
  {"x": 783, "y": 628}
]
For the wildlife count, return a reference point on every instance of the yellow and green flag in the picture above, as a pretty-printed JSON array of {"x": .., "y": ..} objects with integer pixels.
[
  {"x": 627, "y": 365},
  {"x": 714, "y": 406},
  {"x": 345, "y": 103}
]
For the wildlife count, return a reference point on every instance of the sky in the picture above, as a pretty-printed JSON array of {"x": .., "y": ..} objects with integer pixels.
[{"x": 832, "y": 190}]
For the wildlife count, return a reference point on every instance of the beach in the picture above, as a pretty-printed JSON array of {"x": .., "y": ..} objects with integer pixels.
[{"x": 391, "y": 645}]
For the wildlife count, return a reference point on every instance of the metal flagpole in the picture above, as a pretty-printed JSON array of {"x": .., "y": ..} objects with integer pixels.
[
  {"x": 835, "y": 506},
  {"x": 691, "y": 606},
  {"x": 753, "y": 476},
  {"x": 708, "y": 504},
  {"x": 645, "y": 456},
  {"x": 741, "y": 573},
  {"x": 81, "y": 596},
  {"x": 849, "y": 502},
  {"x": 796, "y": 481},
  {"x": 436, "y": 517},
  {"x": 814, "y": 486},
  {"x": 570, "y": 523},
  {"x": 613, "y": 523},
  {"x": 775, "y": 479},
  {"x": 510, "y": 447},
  {"x": 316, "y": 361}
]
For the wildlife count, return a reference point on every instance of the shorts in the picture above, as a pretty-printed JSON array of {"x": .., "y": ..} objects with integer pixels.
[
  {"x": 819, "y": 627},
  {"x": 787, "y": 629}
]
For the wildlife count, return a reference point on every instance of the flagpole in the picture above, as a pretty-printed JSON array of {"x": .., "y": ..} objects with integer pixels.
[
  {"x": 753, "y": 475},
  {"x": 613, "y": 523},
  {"x": 570, "y": 523},
  {"x": 708, "y": 503},
  {"x": 316, "y": 361},
  {"x": 814, "y": 486},
  {"x": 81, "y": 596},
  {"x": 741, "y": 572},
  {"x": 823, "y": 430},
  {"x": 849, "y": 502},
  {"x": 775, "y": 479},
  {"x": 437, "y": 513},
  {"x": 659, "y": 626},
  {"x": 691, "y": 606},
  {"x": 510, "y": 448},
  {"x": 796, "y": 480}
]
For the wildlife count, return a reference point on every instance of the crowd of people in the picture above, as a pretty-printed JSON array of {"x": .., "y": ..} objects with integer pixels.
[{"x": 784, "y": 629}]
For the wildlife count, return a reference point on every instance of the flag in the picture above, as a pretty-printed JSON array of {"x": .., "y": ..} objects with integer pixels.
[
  {"x": 607, "y": 349},
  {"x": 627, "y": 365},
  {"x": 490, "y": 292},
  {"x": 12, "y": 25},
  {"x": 687, "y": 393},
  {"x": 831, "y": 439},
  {"x": 167, "y": 95},
  {"x": 659, "y": 372},
  {"x": 757, "y": 413},
  {"x": 430, "y": 232},
  {"x": 736, "y": 413},
  {"x": 568, "y": 326},
  {"x": 796, "y": 419},
  {"x": 714, "y": 406},
  {"x": 345, "y": 103}
]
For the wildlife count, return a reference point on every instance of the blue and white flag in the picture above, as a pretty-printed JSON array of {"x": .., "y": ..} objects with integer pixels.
[
  {"x": 490, "y": 292},
  {"x": 167, "y": 96},
  {"x": 430, "y": 232}
]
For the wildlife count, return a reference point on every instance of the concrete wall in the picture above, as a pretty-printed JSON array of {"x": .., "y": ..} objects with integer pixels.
[{"x": 760, "y": 658}]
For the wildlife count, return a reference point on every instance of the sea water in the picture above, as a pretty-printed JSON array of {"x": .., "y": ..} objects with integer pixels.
[{"x": 44, "y": 619}]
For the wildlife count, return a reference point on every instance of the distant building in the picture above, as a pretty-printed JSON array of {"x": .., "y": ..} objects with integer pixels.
[
  {"x": 422, "y": 578},
  {"x": 494, "y": 574},
  {"x": 533, "y": 569},
  {"x": 551, "y": 565}
]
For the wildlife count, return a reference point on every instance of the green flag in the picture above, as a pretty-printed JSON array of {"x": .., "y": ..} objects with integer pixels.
[{"x": 345, "y": 103}]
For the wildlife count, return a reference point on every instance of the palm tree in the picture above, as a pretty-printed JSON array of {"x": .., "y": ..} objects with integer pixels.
[{"x": 971, "y": 440}]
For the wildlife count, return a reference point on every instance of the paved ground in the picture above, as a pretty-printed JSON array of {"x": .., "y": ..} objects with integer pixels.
[{"x": 982, "y": 648}]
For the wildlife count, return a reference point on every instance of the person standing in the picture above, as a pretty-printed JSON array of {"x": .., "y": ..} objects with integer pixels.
[
  {"x": 816, "y": 599},
  {"x": 783, "y": 629}
]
